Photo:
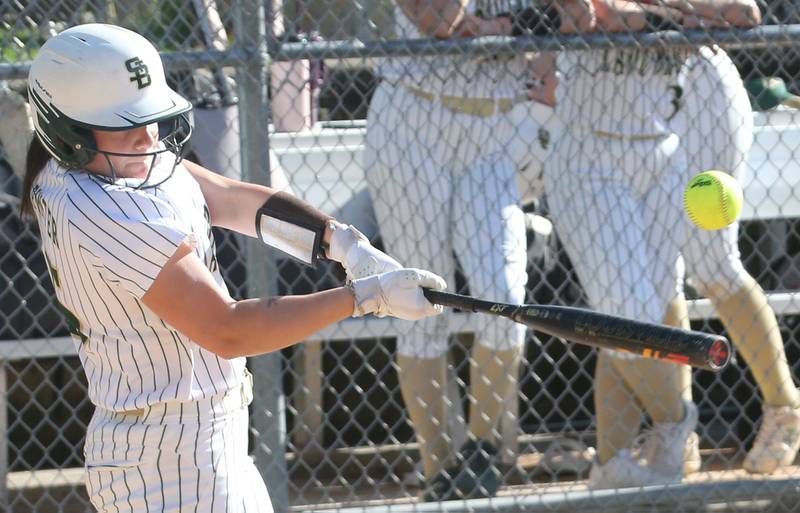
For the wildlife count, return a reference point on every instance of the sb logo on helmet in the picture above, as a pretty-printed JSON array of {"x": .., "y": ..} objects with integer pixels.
[{"x": 139, "y": 69}]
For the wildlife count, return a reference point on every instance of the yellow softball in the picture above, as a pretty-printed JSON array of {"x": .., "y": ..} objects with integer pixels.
[{"x": 713, "y": 200}]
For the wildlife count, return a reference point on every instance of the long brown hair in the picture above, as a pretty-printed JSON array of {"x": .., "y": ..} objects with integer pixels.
[{"x": 34, "y": 164}]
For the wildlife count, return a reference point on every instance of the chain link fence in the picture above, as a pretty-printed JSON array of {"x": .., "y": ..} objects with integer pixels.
[{"x": 300, "y": 96}]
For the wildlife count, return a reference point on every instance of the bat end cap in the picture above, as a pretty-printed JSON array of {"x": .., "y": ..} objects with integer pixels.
[{"x": 719, "y": 355}]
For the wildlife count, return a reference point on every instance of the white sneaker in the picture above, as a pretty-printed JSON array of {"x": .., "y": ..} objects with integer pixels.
[
  {"x": 692, "y": 461},
  {"x": 666, "y": 445},
  {"x": 777, "y": 441},
  {"x": 624, "y": 471}
]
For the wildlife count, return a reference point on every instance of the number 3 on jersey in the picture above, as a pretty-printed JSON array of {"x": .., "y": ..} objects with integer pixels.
[{"x": 677, "y": 100}]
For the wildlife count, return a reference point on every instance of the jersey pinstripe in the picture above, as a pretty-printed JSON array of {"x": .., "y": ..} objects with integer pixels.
[
  {"x": 459, "y": 75},
  {"x": 105, "y": 244}
]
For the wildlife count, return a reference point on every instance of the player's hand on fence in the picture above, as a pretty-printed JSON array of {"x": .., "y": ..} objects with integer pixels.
[
  {"x": 476, "y": 26},
  {"x": 397, "y": 293},
  {"x": 576, "y": 16},
  {"x": 359, "y": 258}
]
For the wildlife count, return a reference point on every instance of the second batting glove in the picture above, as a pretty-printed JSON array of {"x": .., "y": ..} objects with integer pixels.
[
  {"x": 359, "y": 258},
  {"x": 397, "y": 293}
]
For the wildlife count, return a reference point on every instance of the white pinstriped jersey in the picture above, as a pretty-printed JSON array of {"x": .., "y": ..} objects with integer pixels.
[
  {"x": 105, "y": 244},
  {"x": 626, "y": 91},
  {"x": 459, "y": 75}
]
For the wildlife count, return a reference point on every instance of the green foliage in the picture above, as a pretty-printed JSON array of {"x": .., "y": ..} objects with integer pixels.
[{"x": 18, "y": 44}]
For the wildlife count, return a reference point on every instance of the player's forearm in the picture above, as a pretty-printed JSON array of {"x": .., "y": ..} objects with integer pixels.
[
  {"x": 436, "y": 18},
  {"x": 257, "y": 326},
  {"x": 625, "y": 15},
  {"x": 239, "y": 211},
  {"x": 737, "y": 13},
  {"x": 576, "y": 16},
  {"x": 186, "y": 296},
  {"x": 565, "y": 16}
]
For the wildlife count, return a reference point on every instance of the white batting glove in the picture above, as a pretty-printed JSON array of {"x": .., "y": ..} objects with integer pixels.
[
  {"x": 397, "y": 293},
  {"x": 359, "y": 258}
]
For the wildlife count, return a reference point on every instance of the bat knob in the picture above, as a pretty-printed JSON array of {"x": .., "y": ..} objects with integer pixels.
[{"x": 719, "y": 354}]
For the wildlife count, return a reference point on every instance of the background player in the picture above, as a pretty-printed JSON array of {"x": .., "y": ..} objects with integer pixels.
[
  {"x": 615, "y": 197},
  {"x": 441, "y": 183},
  {"x": 126, "y": 230},
  {"x": 664, "y": 450},
  {"x": 719, "y": 132}
]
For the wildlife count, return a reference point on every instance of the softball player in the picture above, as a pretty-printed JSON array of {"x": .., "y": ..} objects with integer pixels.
[
  {"x": 614, "y": 193},
  {"x": 670, "y": 445},
  {"x": 125, "y": 227},
  {"x": 717, "y": 129},
  {"x": 719, "y": 132},
  {"x": 442, "y": 183}
]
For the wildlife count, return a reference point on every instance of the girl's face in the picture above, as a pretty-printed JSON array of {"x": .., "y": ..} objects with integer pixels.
[{"x": 136, "y": 140}]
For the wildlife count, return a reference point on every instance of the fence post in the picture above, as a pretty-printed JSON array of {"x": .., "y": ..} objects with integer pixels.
[{"x": 268, "y": 420}]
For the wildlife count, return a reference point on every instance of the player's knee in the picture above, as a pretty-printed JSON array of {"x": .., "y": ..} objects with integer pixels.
[{"x": 721, "y": 280}]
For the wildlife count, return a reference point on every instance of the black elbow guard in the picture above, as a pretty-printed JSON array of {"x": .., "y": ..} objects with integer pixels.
[{"x": 291, "y": 225}]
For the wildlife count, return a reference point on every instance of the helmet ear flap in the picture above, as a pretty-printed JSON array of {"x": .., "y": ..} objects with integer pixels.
[
  {"x": 72, "y": 145},
  {"x": 77, "y": 145}
]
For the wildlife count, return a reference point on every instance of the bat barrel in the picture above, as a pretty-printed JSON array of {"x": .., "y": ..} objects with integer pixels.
[
  {"x": 701, "y": 350},
  {"x": 711, "y": 352}
]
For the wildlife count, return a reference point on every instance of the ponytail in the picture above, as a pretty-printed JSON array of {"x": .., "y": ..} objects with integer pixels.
[{"x": 34, "y": 164}]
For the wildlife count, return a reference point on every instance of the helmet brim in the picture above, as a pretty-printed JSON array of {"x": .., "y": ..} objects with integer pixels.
[{"x": 150, "y": 108}]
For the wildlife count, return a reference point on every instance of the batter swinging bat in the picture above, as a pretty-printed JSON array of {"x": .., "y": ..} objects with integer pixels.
[{"x": 701, "y": 350}]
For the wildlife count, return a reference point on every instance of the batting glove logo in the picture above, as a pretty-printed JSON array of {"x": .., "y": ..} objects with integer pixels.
[{"x": 139, "y": 69}]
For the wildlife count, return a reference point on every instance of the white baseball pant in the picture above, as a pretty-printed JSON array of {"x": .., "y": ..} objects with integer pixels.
[
  {"x": 440, "y": 182},
  {"x": 617, "y": 207},
  {"x": 175, "y": 457}
]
